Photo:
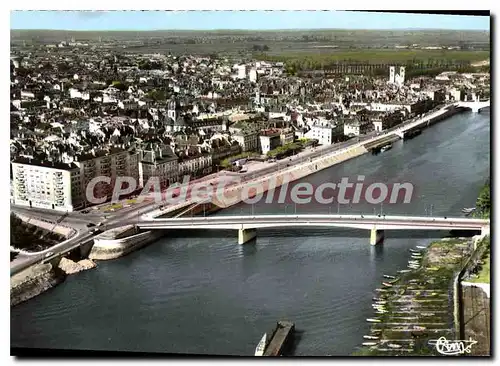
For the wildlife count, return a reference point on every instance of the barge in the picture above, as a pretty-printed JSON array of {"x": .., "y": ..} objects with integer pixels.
[{"x": 278, "y": 341}]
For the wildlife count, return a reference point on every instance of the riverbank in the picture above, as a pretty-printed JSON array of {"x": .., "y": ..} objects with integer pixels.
[
  {"x": 474, "y": 299},
  {"x": 121, "y": 241},
  {"x": 41, "y": 277},
  {"x": 415, "y": 306}
]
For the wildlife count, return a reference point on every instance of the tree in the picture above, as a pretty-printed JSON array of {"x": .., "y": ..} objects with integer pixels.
[
  {"x": 157, "y": 95},
  {"x": 119, "y": 85},
  {"x": 483, "y": 202}
]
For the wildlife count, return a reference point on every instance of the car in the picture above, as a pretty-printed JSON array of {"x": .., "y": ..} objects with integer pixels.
[
  {"x": 90, "y": 224},
  {"x": 48, "y": 254},
  {"x": 99, "y": 224}
]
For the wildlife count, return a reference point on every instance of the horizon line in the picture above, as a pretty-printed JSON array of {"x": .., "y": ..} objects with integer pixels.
[{"x": 250, "y": 29}]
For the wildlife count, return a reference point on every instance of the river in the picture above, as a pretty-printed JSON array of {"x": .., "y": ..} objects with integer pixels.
[{"x": 201, "y": 293}]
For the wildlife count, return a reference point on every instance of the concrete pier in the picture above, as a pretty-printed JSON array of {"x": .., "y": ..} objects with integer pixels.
[
  {"x": 376, "y": 236},
  {"x": 245, "y": 235}
]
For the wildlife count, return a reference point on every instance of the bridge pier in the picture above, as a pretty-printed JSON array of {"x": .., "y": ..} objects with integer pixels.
[
  {"x": 245, "y": 235},
  {"x": 376, "y": 236}
]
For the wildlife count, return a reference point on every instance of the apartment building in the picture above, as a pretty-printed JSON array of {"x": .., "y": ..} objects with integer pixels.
[
  {"x": 287, "y": 136},
  {"x": 112, "y": 163},
  {"x": 248, "y": 140},
  {"x": 269, "y": 140},
  {"x": 195, "y": 166},
  {"x": 323, "y": 132},
  {"x": 356, "y": 127},
  {"x": 158, "y": 161},
  {"x": 46, "y": 184}
]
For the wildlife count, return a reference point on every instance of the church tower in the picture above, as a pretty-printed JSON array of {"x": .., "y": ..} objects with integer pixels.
[{"x": 172, "y": 109}]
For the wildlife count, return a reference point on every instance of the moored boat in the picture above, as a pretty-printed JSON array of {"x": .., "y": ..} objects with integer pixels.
[
  {"x": 468, "y": 210},
  {"x": 369, "y": 343},
  {"x": 370, "y": 337},
  {"x": 386, "y": 147},
  {"x": 389, "y": 277},
  {"x": 371, "y": 320},
  {"x": 386, "y": 284},
  {"x": 261, "y": 347}
]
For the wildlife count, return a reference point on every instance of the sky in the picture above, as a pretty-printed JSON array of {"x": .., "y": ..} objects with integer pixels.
[{"x": 253, "y": 20}]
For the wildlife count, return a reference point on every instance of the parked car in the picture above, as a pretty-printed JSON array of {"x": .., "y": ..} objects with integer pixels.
[
  {"x": 90, "y": 224},
  {"x": 49, "y": 254}
]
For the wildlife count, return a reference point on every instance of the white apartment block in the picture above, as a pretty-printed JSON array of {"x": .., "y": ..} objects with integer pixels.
[
  {"x": 269, "y": 142},
  {"x": 322, "y": 132},
  {"x": 241, "y": 72},
  {"x": 47, "y": 185},
  {"x": 252, "y": 75},
  {"x": 356, "y": 128}
]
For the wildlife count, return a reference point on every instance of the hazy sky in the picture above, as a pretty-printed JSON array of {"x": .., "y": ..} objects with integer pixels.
[{"x": 150, "y": 20}]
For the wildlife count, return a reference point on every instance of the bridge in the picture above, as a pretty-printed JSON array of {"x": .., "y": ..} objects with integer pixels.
[
  {"x": 476, "y": 106},
  {"x": 247, "y": 225}
]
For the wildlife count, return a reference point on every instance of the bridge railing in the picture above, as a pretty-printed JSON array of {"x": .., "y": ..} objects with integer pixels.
[{"x": 336, "y": 217}]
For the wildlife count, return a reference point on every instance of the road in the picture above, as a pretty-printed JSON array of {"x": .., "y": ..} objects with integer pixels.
[{"x": 335, "y": 220}]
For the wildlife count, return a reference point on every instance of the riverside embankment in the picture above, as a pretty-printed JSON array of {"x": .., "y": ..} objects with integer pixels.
[
  {"x": 43, "y": 276},
  {"x": 415, "y": 307},
  {"x": 121, "y": 241}
]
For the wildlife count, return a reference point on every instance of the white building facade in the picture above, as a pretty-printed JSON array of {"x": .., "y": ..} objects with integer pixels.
[{"x": 46, "y": 185}]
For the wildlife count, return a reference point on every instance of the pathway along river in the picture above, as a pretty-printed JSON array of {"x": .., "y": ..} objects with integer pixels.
[{"x": 204, "y": 294}]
